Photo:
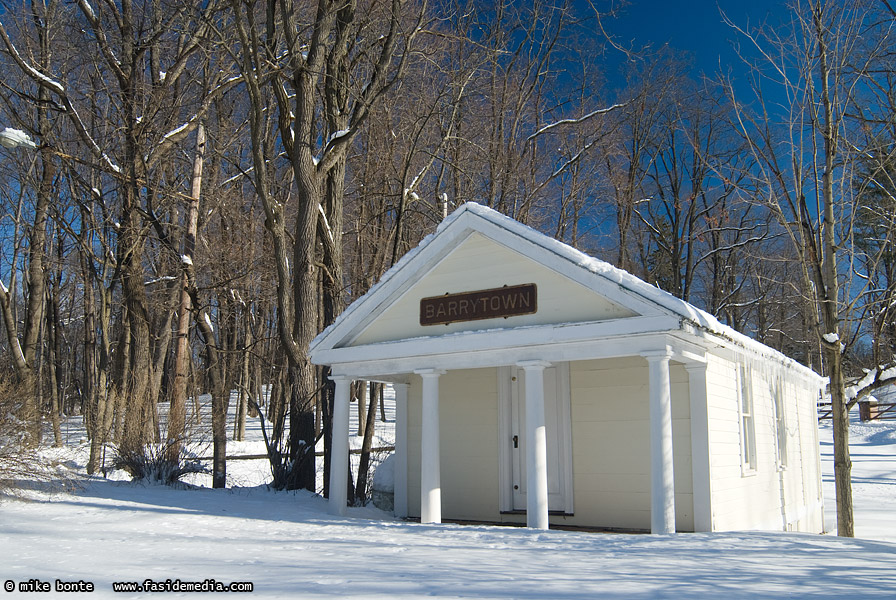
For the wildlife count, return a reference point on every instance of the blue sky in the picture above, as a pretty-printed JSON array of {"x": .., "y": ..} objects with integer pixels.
[{"x": 693, "y": 25}]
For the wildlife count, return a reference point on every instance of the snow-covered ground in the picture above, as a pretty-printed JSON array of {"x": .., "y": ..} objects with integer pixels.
[
  {"x": 872, "y": 448},
  {"x": 288, "y": 546}
]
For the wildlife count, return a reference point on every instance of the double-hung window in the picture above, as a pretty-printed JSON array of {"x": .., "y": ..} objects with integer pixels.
[
  {"x": 747, "y": 425},
  {"x": 780, "y": 423}
]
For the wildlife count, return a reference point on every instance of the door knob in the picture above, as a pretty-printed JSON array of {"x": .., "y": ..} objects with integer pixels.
[{"x": 516, "y": 441}]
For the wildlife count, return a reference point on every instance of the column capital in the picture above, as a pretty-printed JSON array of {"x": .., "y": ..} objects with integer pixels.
[
  {"x": 533, "y": 364},
  {"x": 695, "y": 367},
  {"x": 657, "y": 355},
  {"x": 429, "y": 372},
  {"x": 341, "y": 378}
]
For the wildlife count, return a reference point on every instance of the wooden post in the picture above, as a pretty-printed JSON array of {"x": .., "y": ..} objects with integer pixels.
[{"x": 865, "y": 410}]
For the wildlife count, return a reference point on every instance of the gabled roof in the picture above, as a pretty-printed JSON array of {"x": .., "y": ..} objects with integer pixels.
[{"x": 594, "y": 273}]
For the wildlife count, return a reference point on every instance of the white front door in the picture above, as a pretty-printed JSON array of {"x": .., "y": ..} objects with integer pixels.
[{"x": 558, "y": 434}]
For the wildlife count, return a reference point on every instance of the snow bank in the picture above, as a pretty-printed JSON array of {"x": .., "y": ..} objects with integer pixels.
[{"x": 384, "y": 476}]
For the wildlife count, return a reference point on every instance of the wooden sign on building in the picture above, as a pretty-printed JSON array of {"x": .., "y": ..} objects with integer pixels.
[{"x": 507, "y": 301}]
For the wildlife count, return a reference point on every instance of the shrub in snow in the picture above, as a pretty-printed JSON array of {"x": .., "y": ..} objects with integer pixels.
[
  {"x": 152, "y": 463},
  {"x": 19, "y": 451}
]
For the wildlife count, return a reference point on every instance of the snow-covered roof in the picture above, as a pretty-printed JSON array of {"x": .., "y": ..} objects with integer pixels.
[{"x": 469, "y": 213}]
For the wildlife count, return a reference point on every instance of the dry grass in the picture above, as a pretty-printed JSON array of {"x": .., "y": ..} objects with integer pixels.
[{"x": 21, "y": 463}]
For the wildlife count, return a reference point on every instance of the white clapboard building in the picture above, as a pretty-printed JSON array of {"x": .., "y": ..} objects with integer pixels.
[{"x": 537, "y": 384}]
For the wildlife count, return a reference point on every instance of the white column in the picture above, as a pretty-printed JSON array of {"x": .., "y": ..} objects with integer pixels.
[
  {"x": 700, "y": 446},
  {"x": 401, "y": 449},
  {"x": 662, "y": 480},
  {"x": 339, "y": 451},
  {"x": 430, "y": 477},
  {"x": 536, "y": 446}
]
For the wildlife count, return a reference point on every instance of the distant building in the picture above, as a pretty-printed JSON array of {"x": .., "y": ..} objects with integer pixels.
[{"x": 537, "y": 384}]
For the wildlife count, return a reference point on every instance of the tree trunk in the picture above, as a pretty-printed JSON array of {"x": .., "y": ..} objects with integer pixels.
[
  {"x": 364, "y": 462},
  {"x": 302, "y": 372},
  {"x": 214, "y": 368},
  {"x": 94, "y": 400},
  {"x": 830, "y": 294},
  {"x": 135, "y": 384},
  {"x": 177, "y": 408},
  {"x": 52, "y": 366},
  {"x": 242, "y": 409},
  {"x": 362, "y": 409}
]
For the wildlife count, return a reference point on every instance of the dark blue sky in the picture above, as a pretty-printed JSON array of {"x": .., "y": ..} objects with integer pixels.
[{"x": 694, "y": 25}]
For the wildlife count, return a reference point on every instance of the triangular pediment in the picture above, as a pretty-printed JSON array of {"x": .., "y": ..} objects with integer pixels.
[
  {"x": 481, "y": 277},
  {"x": 473, "y": 253}
]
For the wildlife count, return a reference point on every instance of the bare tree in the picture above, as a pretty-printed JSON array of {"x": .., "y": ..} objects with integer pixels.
[
  {"x": 341, "y": 60},
  {"x": 24, "y": 343},
  {"x": 805, "y": 158},
  {"x": 122, "y": 109}
]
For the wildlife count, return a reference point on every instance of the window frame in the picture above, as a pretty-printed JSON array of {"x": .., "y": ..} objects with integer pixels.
[
  {"x": 780, "y": 405},
  {"x": 747, "y": 420}
]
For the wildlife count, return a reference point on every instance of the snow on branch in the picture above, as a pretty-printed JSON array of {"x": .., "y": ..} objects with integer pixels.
[
  {"x": 41, "y": 78},
  {"x": 178, "y": 130},
  {"x": 326, "y": 223},
  {"x": 872, "y": 380},
  {"x": 50, "y": 83},
  {"x": 88, "y": 10},
  {"x": 162, "y": 279},
  {"x": 600, "y": 111},
  {"x": 244, "y": 173},
  {"x": 183, "y": 130}
]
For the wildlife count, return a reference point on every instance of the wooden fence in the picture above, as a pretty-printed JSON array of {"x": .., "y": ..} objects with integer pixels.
[
  {"x": 877, "y": 411},
  {"x": 376, "y": 450},
  {"x": 868, "y": 411}
]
